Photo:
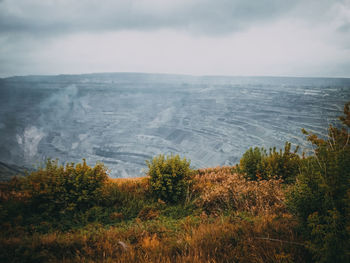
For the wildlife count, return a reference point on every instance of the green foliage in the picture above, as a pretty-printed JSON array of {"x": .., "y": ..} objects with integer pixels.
[
  {"x": 57, "y": 190},
  {"x": 126, "y": 202},
  {"x": 257, "y": 164},
  {"x": 251, "y": 161},
  {"x": 169, "y": 178},
  {"x": 321, "y": 195},
  {"x": 179, "y": 211}
]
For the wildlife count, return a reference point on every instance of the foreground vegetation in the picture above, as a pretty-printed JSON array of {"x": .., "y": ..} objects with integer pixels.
[
  {"x": 272, "y": 207},
  {"x": 227, "y": 219}
]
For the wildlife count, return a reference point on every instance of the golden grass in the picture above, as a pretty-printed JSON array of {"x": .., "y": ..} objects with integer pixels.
[
  {"x": 120, "y": 181},
  {"x": 242, "y": 221},
  {"x": 221, "y": 189},
  {"x": 131, "y": 184},
  {"x": 221, "y": 239}
]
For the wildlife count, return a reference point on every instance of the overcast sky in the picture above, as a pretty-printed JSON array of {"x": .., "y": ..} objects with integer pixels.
[{"x": 199, "y": 37}]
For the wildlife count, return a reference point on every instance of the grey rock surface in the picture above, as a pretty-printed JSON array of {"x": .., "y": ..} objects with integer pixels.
[{"x": 123, "y": 119}]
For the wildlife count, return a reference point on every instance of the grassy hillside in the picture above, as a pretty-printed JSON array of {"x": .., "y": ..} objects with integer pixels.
[
  {"x": 227, "y": 219},
  {"x": 275, "y": 206}
]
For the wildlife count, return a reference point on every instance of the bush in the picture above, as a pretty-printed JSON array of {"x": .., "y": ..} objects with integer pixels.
[
  {"x": 257, "y": 164},
  {"x": 321, "y": 195},
  {"x": 169, "y": 178},
  {"x": 251, "y": 161},
  {"x": 56, "y": 190}
]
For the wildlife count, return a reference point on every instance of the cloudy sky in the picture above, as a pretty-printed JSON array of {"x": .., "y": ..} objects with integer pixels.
[{"x": 199, "y": 37}]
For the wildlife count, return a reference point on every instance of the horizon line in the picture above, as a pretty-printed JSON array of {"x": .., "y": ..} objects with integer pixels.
[{"x": 170, "y": 74}]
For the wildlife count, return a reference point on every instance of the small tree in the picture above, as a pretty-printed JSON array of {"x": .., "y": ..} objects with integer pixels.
[
  {"x": 321, "y": 195},
  {"x": 170, "y": 177}
]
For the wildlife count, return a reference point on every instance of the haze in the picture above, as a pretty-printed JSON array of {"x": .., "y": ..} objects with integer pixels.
[{"x": 237, "y": 37}]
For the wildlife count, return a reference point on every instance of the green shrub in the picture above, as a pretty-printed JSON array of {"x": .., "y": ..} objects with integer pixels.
[
  {"x": 251, "y": 162},
  {"x": 257, "y": 164},
  {"x": 56, "y": 190},
  {"x": 320, "y": 197},
  {"x": 169, "y": 177}
]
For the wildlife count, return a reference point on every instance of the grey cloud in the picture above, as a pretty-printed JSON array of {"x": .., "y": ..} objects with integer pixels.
[
  {"x": 206, "y": 17},
  {"x": 40, "y": 36}
]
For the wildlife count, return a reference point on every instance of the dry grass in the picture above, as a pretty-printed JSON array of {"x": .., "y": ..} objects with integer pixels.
[
  {"x": 228, "y": 239},
  {"x": 242, "y": 221},
  {"x": 133, "y": 185},
  {"x": 121, "y": 181},
  {"x": 221, "y": 189},
  {"x": 8, "y": 191}
]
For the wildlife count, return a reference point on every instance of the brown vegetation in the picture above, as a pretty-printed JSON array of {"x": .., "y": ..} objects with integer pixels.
[
  {"x": 233, "y": 220},
  {"x": 221, "y": 188}
]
